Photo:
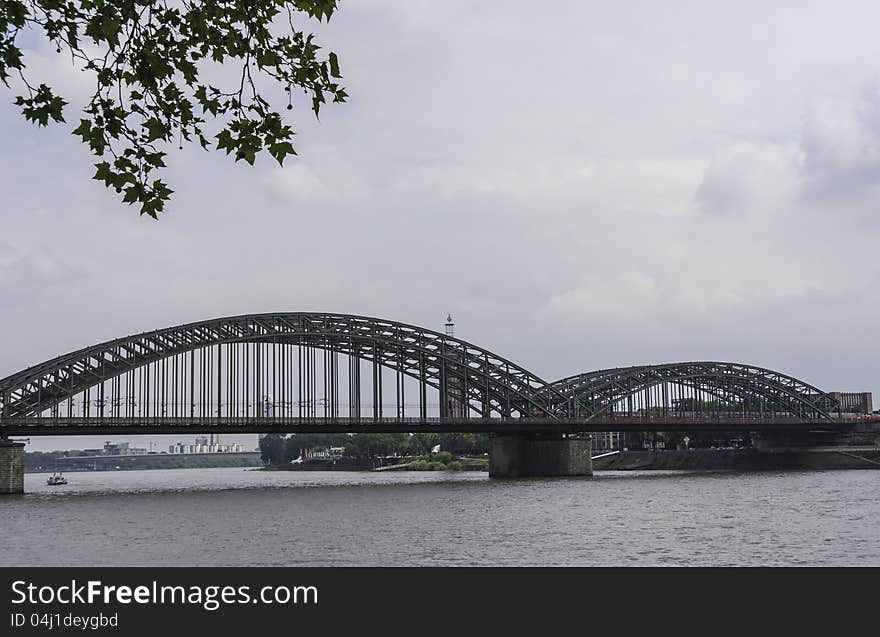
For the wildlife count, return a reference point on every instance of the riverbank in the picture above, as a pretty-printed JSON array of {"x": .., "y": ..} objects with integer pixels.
[
  {"x": 422, "y": 463},
  {"x": 37, "y": 464},
  {"x": 741, "y": 459},
  {"x": 462, "y": 464},
  {"x": 325, "y": 464}
]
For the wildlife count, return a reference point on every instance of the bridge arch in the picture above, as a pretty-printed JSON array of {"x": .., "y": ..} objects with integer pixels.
[
  {"x": 469, "y": 379},
  {"x": 728, "y": 388}
]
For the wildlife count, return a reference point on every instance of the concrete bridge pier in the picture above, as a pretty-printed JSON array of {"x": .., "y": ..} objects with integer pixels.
[
  {"x": 11, "y": 467},
  {"x": 528, "y": 455}
]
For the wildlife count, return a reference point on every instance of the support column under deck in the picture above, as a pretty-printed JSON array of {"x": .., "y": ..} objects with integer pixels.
[
  {"x": 524, "y": 455},
  {"x": 11, "y": 467}
]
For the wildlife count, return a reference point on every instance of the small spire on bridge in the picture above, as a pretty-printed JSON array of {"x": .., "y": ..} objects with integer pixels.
[{"x": 450, "y": 326}]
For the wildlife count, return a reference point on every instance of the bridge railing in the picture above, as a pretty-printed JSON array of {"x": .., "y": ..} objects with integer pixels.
[{"x": 209, "y": 424}]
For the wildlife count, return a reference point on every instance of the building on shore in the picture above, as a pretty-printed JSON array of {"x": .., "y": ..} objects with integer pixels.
[
  {"x": 121, "y": 449},
  {"x": 854, "y": 402},
  {"x": 331, "y": 453},
  {"x": 606, "y": 440},
  {"x": 206, "y": 444}
]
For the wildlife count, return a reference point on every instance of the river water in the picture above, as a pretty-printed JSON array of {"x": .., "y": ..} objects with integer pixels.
[{"x": 234, "y": 516}]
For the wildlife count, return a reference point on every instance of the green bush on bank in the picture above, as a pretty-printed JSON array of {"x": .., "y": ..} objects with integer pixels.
[
  {"x": 442, "y": 461},
  {"x": 427, "y": 465},
  {"x": 443, "y": 457}
]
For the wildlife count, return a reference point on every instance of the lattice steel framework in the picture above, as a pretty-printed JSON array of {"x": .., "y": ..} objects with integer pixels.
[
  {"x": 470, "y": 379},
  {"x": 266, "y": 370},
  {"x": 728, "y": 389}
]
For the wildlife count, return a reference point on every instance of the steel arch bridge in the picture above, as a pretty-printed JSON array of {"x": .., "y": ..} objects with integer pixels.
[
  {"x": 314, "y": 371},
  {"x": 698, "y": 390}
]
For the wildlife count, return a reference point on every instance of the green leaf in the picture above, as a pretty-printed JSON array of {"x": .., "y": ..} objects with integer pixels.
[
  {"x": 104, "y": 173},
  {"x": 84, "y": 129},
  {"x": 267, "y": 58},
  {"x": 110, "y": 28},
  {"x": 132, "y": 194},
  {"x": 280, "y": 150},
  {"x": 334, "y": 65},
  {"x": 155, "y": 129},
  {"x": 225, "y": 141}
]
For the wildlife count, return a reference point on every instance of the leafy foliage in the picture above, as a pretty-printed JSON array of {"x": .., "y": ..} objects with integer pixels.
[
  {"x": 148, "y": 57},
  {"x": 272, "y": 449}
]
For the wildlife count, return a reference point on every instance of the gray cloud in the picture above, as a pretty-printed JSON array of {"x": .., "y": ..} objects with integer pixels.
[
  {"x": 842, "y": 146},
  {"x": 833, "y": 164}
]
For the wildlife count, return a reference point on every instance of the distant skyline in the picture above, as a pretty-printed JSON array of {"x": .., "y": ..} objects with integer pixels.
[
  {"x": 582, "y": 187},
  {"x": 160, "y": 443}
]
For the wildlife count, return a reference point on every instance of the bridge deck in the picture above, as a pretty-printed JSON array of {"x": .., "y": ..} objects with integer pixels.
[{"x": 188, "y": 425}]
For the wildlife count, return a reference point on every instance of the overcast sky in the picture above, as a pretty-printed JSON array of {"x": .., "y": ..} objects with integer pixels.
[{"x": 592, "y": 185}]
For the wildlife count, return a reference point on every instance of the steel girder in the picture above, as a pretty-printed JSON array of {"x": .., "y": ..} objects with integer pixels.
[
  {"x": 495, "y": 384},
  {"x": 597, "y": 392}
]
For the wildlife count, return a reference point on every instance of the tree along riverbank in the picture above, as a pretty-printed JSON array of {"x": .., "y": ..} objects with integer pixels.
[{"x": 363, "y": 451}]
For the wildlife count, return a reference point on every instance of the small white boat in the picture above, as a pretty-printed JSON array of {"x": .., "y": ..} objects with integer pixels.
[{"x": 56, "y": 478}]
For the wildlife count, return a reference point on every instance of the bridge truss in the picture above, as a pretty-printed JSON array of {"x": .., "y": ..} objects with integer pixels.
[
  {"x": 706, "y": 389},
  {"x": 305, "y": 371},
  {"x": 301, "y": 366}
]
